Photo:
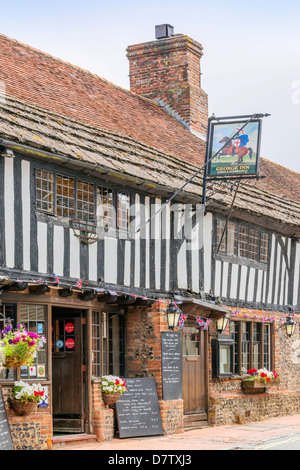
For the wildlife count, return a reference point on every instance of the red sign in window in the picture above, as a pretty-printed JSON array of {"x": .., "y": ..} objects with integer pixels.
[
  {"x": 69, "y": 343},
  {"x": 69, "y": 327}
]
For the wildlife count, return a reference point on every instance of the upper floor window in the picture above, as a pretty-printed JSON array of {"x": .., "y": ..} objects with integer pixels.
[
  {"x": 123, "y": 211},
  {"x": 105, "y": 208},
  {"x": 72, "y": 198},
  {"x": 65, "y": 196},
  {"x": 239, "y": 240},
  {"x": 44, "y": 190}
]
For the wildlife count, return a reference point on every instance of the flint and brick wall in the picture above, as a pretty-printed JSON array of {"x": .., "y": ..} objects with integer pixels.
[
  {"x": 32, "y": 432},
  {"x": 103, "y": 416},
  {"x": 228, "y": 404},
  {"x": 143, "y": 357}
]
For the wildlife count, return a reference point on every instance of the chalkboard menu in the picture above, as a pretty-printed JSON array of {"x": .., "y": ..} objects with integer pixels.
[
  {"x": 5, "y": 435},
  {"x": 138, "y": 412},
  {"x": 171, "y": 354}
]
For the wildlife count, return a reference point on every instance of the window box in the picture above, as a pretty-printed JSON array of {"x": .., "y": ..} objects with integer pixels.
[{"x": 253, "y": 386}]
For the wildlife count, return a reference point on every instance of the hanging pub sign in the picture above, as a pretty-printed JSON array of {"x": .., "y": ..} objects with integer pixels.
[{"x": 233, "y": 148}]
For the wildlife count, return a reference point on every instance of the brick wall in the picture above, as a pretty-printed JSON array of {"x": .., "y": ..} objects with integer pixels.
[
  {"x": 103, "y": 416},
  {"x": 169, "y": 70}
]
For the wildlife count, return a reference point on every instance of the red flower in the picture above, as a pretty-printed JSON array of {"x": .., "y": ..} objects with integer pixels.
[
  {"x": 251, "y": 371},
  {"x": 262, "y": 374},
  {"x": 38, "y": 393},
  {"x": 117, "y": 382},
  {"x": 268, "y": 379}
]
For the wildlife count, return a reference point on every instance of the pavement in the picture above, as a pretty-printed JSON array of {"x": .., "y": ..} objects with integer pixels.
[{"x": 234, "y": 437}]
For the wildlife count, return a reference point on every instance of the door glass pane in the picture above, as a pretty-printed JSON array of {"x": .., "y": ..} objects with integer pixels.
[
  {"x": 116, "y": 345},
  {"x": 191, "y": 341},
  {"x": 63, "y": 335}
]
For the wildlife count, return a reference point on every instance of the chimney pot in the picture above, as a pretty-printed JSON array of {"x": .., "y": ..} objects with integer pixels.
[{"x": 163, "y": 31}]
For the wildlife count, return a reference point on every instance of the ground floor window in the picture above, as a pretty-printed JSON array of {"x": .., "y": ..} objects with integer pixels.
[
  {"x": 247, "y": 346},
  {"x": 33, "y": 317},
  {"x": 108, "y": 344},
  {"x": 252, "y": 346}
]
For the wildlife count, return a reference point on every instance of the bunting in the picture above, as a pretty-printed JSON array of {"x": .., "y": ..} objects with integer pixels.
[{"x": 183, "y": 317}]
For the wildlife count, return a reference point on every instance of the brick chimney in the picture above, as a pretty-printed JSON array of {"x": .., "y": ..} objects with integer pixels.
[{"x": 168, "y": 70}]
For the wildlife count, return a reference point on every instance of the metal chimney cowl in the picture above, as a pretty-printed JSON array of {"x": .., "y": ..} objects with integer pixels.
[{"x": 164, "y": 31}]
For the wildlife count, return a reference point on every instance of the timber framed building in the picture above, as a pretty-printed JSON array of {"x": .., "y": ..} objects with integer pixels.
[{"x": 83, "y": 166}]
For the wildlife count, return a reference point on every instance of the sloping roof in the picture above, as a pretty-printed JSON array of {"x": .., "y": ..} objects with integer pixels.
[
  {"x": 116, "y": 157},
  {"x": 41, "y": 79},
  {"x": 50, "y": 83},
  {"x": 66, "y": 110}
]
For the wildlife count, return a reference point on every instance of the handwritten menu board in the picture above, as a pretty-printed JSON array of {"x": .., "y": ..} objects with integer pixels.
[
  {"x": 5, "y": 435},
  {"x": 171, "y": 352},
  {"x": 138, "y": 412}
]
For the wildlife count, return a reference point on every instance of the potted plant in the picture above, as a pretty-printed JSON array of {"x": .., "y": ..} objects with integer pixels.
[
  {"x": 19, "y": 346},
  {"x": 258, "y": 380},
  {"x": 112, "y": 388},
  {"x": 25, "y": 397}
]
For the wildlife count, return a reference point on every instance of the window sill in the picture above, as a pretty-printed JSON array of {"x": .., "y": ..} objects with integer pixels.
[{"x": 241, "y": 261}]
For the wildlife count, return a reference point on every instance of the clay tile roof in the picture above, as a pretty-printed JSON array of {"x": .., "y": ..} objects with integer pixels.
[
  {"x": 48, "y": 82},
  {"x": 40, "y": 79},
  {"x": 118, "y": 158}
]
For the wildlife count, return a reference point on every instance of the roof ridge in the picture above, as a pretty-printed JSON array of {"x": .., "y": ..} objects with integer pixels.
[{"x": 281, "y": 166}]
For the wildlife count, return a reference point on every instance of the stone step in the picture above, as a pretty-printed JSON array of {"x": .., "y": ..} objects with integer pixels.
[
  {"x": 196, "y": 425},
  {"x": 67, "y": 440},
  {"x": 195, "y": 421},
  {"x": 195, "y": 417}
]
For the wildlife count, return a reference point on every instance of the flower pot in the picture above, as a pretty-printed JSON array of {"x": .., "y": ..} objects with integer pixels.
[
  {"x": 110, "y": 398},
  {"x": 22, "y": 408}
]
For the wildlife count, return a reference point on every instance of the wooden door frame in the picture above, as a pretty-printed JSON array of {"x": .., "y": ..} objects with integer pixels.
[
  {"x": 206, "y": 365},
  {"x": 50, "y": 301}
]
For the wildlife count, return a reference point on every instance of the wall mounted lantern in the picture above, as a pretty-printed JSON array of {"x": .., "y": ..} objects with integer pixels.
[
  {"x": 222, "y": 324},
  {"x": 290, "y": 325},
  {"x": 173, "y": 315}
]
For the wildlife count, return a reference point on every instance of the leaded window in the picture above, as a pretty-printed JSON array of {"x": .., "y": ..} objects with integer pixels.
[
  {"x": 65, "y": 196},
  {"x": 123, "y": 211},
  {"x": 241, "y": 241},
  {"x": 85, "y": 201},
  {"x": 44, "y": 190},
  {"x": 105, "y": 209}
]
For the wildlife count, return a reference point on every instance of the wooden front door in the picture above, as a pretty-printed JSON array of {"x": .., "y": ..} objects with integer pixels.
[
  {"x": 67, "y": 375},
  {"x": 194, "y": 368}
]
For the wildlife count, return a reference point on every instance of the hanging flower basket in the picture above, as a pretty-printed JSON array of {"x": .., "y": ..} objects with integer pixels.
[
  {"x": 25, "y": 398},
  {"x": 112, "y": 388},
  {"x": 110, "y": 398},
  {"x": 14, "y": 361},
  {"x": 22, "y": 408},
  {"x": 19, "y": 346}
]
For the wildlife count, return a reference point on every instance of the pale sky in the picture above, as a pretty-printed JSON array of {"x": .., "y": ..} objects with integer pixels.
[{"x": 251, "y": 61}]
